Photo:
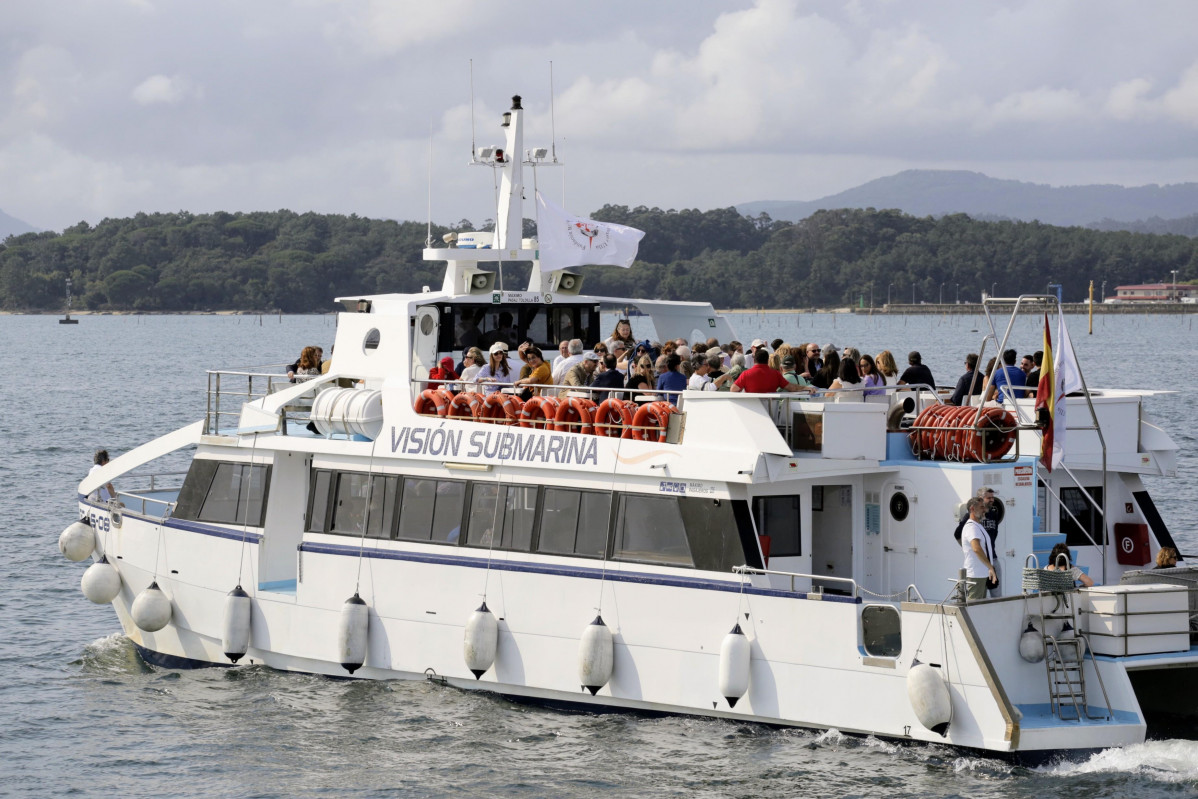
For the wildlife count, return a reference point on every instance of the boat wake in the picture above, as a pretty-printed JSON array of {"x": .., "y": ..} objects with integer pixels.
[
  {"x": 1174, "y": 762},
  {"x": 112, "y": 654}
]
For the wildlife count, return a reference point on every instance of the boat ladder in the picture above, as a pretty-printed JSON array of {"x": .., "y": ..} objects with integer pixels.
[{"x": 1064, "y": 659}]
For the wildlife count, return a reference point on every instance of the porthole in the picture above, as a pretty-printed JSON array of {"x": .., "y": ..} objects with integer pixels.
[
  {"x": 900, "y": 506},
  {"x": 371, "y": 342},
  {"x": 427, "y": 324}
]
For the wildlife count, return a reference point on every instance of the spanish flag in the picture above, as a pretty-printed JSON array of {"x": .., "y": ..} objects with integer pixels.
[{"x": 1046, "y": 399}]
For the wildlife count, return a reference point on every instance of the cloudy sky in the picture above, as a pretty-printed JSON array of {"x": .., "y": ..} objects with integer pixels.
[{"x": 110, "y": 107}]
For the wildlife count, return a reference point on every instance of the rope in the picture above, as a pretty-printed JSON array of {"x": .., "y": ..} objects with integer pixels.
[
  {"x": 365, "y": 515},
  {"x": 245, "y": 518}
]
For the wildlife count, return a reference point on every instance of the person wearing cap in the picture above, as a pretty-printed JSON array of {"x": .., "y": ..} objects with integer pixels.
[
  {"x": 916, "y": 373},
  {"x": 498, "y": 372},
  {"x": 758, "y": 343},
  {"x": 569, "y": 362},
  {"x": 792, "y": 373},
  {"x": 582, "y": 373}
]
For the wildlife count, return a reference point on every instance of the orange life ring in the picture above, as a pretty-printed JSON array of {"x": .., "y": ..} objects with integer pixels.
[
  {"x": 651, "y": 420},
  {"x": 467, "y": 405},
  {"x": 434, "y": 400},
  {"x": 963, "y": 433},
  {"x": 539, "y": 413},
  {"x": 614, "y": 418},
  {"x": 575, "y": 415},
  {"x": 500, "y": 408}
]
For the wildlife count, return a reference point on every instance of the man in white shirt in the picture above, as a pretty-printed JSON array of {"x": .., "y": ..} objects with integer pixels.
[
  {"x": 560, "y": 367},
  {"x": 975, "y": 544},
  {"x": 106, "y": 491},
  {"x": 701, "y": 380}
]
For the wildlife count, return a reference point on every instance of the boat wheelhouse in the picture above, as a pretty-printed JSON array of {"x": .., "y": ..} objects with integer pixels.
[{"x": 767, "y": 558}]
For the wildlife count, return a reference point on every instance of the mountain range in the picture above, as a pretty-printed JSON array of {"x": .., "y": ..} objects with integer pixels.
[
  {"x": 934, "y": 192},
  {"x": 11, "y": 226}
]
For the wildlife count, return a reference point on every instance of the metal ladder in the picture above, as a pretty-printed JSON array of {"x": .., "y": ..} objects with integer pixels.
[{"x": 1064, "y": 661}]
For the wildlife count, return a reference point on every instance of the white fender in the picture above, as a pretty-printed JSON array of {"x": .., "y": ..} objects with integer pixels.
[
  {"x": 596, "y": 656},
  {"x": 929, "y": 697},
  {"x": 235, "y": 633},
  {"x": 1068, "y": 653},
  {"x": 352, "y": 633},
  {"x": 480, "y": 641},
  {"x": 151, "y": 610},
  {"x": 101, "y": 582},
  {"x": 734, "y": 666},
  {"x": 1031, "y": 644},
  {"x": 77, "y": 542}
]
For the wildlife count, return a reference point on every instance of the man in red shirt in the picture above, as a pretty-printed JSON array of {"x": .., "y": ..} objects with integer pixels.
[{"x": 761, "y": 378}]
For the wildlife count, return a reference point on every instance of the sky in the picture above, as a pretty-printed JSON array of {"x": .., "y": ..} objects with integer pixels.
[{"x": 111, "y": 107}]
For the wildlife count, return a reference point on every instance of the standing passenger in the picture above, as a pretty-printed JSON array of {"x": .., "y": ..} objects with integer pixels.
[{"x": 975, "y": 544}]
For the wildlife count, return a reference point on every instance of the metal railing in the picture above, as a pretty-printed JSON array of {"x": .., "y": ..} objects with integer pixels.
[
  {"x": 857, "y": 591},
  {"x": 143, "y": 500},
  {"x": 229, "y": 390}
]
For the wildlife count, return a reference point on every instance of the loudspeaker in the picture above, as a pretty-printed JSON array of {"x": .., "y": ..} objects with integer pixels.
[
  {"x": 562, "y": 282},
  {"x": 479, "y": 282}
]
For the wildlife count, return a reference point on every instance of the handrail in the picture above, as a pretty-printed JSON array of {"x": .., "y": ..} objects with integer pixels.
[{"x": 793, "y": 575}]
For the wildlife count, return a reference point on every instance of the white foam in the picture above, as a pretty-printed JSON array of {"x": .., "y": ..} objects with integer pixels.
[
  {"x": 116, "y": 642},
  {"x": 1173, "y": 761}
]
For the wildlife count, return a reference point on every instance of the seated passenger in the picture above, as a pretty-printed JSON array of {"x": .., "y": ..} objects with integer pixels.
[
  {"x": 871, "y": 378},
  {"x": 965, "y": 381},
  {"x": 1064, "y": 565},
  {"x": 497, "y": 372},
  {"x": 1008, "y": 381},
  {"x": 916, "y": 373},
  {"x": 569, "y": 362},
  {"x": 1166, "y": 558},
  {"x": 582, "y": 374},
  {"x": 609, "y": 377},
  {"x": 700, "y": 379},
  {"x": 474, "y": 362},
  {"x": 671, "y": 379},
  {"x": 537, "y": 374},
  {"x": 887, "y": 367},
  {"x": 846, "y": 381},
  {"x": 442, "y": 373},
  {"x": 827, "y": 373}
]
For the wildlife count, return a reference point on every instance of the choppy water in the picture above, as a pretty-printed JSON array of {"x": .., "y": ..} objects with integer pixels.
[{"x": 81, "y": 714}]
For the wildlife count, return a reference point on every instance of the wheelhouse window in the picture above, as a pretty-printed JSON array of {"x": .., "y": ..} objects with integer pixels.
[
  {"x": 650, "y": 529},
  {"x": 464, "y": 326},
  {"x": 224, "y": 493},
  {"x": 781, "y": 520},
  {"x": 501, "y": 516},
  {"x": 1084, "y": 511},
  {"x": 574, "y": 522}
]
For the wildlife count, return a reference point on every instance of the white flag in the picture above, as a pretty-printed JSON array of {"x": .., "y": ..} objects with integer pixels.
[
  {"x": 1068, "y": 377},
  {"x": 568, "y": 240}
]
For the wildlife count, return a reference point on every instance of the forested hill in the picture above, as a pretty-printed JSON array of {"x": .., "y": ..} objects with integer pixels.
[{"x": 299, "y": 262}]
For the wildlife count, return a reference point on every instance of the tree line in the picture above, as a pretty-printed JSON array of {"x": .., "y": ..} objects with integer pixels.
[{"x": 298, "y": 262}]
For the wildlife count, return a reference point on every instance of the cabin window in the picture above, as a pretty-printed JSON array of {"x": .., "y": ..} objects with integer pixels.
[
  {"x": 1085, "y": 513},
  {"x": 318, "y": 501},
  {"x": 364, "y": 502},
  {"x": 650, "y": 529},
  {"x": 881, "y": 631},
  {"x": 781, "y": 520},
  {"x": 431, "y": 510},
  {"x": 224, "y": 493},
  {"x": 506, "y": 511},
  {"x": 574, "y": 522}
]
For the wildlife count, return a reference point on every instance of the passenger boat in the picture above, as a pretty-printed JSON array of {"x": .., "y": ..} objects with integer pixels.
[{"x": 753, "y": 557}]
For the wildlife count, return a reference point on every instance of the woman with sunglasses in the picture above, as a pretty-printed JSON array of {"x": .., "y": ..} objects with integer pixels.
[
  {"x": 623, "y": 332},
  {"x": 871, "y": 377}
]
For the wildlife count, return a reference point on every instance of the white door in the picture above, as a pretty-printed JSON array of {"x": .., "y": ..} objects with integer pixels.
[
  {"x": 898, "y": 536},
  {"x": 424, "y": 340}
]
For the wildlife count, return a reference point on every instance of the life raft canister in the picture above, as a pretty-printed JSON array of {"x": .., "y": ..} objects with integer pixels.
[{"x": 948, "y": 432}]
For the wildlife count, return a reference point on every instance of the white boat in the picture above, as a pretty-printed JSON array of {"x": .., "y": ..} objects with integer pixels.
[{"x": 758, "y": 557}]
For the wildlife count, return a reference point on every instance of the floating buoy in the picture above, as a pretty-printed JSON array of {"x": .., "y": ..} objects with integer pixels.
[
  {"x": 929, "y": 698},
  {"x": 351, "y": 633},
  {"x": 734, "y": 666},
  {"x": 101, "y": 582},
  {"x": 480, "y": 641},
  {"x": 77, "y": 542},
  {"x": 596, "y": 655},
  {"x": 235, "y": 635},
  {"x": 151, "y": 610},
  {"x": 1068, "y": 652},
  {"x": 1031, "y": 644}
]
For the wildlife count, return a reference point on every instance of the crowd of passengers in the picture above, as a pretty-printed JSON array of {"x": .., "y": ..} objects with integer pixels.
[{"x": 643, "y": 367}]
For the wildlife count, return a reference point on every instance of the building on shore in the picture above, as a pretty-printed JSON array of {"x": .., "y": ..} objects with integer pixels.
[{"x": 1156, "y": 292}]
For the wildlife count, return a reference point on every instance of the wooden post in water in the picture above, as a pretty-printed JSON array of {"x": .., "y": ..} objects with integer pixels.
[{"x": 1091, "y": 307}]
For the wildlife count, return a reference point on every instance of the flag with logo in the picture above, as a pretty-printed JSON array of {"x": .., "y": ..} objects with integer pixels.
[
  {"x": 1067, "y": 378},
  {"x": 1046, "y": 399},
  {"x": 569, "y": 240}
]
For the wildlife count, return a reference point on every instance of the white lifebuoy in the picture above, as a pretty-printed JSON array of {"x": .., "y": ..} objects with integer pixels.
[
  {"x": 480, "y": 641},
  {"x": 929, "y": 698},
  {"x": 151, "y": 610},
  {"x": 596, "y": 656},
  {"x": 735, "y": 659},
  {"x": 352, "y": 631},
  {"x": 77, "y": 541},
  {"x": 235, "y": 634},
  {"x": 101, "y": 582}
]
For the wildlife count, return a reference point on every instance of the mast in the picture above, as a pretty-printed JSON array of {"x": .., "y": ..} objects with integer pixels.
[{"x": 509, "y": 226}]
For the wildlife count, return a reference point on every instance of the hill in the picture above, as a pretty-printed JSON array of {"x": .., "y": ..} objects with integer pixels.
[
  {"x": 11, "y": 226},
  {"x": 928, "y": 192}
]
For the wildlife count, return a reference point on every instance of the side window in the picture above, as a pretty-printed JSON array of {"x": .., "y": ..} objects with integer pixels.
[
  {"x": 235, "y": 494},
  {"x": 781, "y": 520},
  {"x": 318, "y": 501},
  {"x": 364, "y": 502},
  {"x": 501, "y": 516},
  {"x": 431, "y": 510},
  {"x": 574, "y": 522},
  {"x": 1085, "y": 512},
  {"x": 650, "y": 529},
  {"x": 881, "y": 631}
]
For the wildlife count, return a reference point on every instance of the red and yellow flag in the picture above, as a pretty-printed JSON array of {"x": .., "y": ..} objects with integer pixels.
[{"x": 1046, "y": 399}]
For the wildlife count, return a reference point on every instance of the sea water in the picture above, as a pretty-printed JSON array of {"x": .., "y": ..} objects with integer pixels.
[{"x": 81, "y": 714}]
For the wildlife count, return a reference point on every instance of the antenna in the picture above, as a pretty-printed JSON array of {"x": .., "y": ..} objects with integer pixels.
[
  {"x": 473, "y": 144},
  {"x": 552, "y": 124},
  {"x": 428, "y": 236}
]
